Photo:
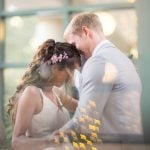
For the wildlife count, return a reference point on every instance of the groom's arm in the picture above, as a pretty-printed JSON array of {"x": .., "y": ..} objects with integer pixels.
[{"x": 98, "y": 78}]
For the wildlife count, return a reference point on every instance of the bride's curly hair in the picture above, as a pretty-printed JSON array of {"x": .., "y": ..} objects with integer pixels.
[{"x": 35, "y": 75}]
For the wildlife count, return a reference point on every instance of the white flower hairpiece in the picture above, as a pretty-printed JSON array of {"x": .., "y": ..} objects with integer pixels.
[{"x": 55, "y": 58}]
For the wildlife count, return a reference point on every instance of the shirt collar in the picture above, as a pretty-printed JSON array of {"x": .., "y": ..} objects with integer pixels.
[{"x": 99, "y": 46}]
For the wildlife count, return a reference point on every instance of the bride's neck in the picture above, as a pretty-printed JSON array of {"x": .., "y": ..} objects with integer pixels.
[{"x": 48, "y": 88}]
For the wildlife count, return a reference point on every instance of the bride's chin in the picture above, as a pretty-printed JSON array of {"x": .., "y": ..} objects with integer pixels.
[{"x": 58, "y": 84}]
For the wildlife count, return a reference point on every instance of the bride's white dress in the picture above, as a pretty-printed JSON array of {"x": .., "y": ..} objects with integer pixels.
[{"x": 50, "y": 118}]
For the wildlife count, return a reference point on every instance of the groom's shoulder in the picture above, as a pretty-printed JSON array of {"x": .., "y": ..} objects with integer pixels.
[
  {"x": 93, "y": 64},
  {"x": 94, "y": 60}
]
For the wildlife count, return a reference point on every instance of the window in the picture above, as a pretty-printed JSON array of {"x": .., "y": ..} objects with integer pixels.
[
  {"x": 29, "y": 33},
  {"x": 14, "y": 5},
  {"x": 29, "y": 23},
  {"x": 92, "y": 2}
]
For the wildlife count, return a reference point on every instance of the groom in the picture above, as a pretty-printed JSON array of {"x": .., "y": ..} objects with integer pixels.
[{"x": 110, "y": 88}]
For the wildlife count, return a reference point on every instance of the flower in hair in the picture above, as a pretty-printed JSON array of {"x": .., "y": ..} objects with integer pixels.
[
  {"x": 54, "y": 59},
  {"x": 59, "y": 58}
]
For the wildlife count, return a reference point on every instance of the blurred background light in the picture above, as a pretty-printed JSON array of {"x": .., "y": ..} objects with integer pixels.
[
  {"x": 16, "y": 22},
  {"x": 11, "y": 7},
  {"x": 131, "y": 1},
  {"x": 134, "y": 53},
  {"x": 108, "y": 22}
]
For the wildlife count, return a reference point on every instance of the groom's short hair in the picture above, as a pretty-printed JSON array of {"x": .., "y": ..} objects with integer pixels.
[{"x": 91, "y": 20}]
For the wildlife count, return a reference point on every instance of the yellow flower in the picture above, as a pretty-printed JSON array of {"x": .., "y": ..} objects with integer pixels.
[
  {"x": 89, "y": 142},
  {"x": 56, "y": 140},
  {"x": 61, "y": 134},
  {"x": 94, "y": 148},
  {"x": 66, "y": 139},
  {"x": 91, "y": 127},
  {"x": 81, "y": 119},
  {"x": 82, "y": 136},
  {"x": 92, "y": 104},
  {"x": 82, "y": 146},
  {"x": 97, "y": 129},
  {"x": 94, "y": 135},
  {"x": 73, "y": 133},
  {"x": 97, "y": 122},
  {"x": 75, "y": 145},
  {"x": 67, "y": 148},
  {"x": 82, "y": 110},
  {"x": 75, "y": 139}
]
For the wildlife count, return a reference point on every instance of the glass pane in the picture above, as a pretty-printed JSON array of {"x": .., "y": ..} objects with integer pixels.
[
  {"x": 11, "y": 79},
  {"x": 30, "y": 4},
  {"x": 25, "y": 34},
  {"x": 74, "y": 2},
  {"x": 120, "y": 27}
]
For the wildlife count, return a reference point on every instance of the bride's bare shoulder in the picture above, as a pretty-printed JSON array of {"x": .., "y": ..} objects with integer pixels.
[
  {"x": 31, "y": 97},
  {"x": 31, "y": 90}
]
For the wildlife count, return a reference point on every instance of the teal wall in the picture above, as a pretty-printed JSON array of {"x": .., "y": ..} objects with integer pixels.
[
  {"x": 2, "y": 133},
  {"x": 143, "y": 13}
]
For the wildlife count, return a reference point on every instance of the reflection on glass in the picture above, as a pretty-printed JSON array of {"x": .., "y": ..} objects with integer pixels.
[
  {"x": 25, "y": 34},
  {"x": 30, "y": 4},
  {"x": 74, "y": 2}
]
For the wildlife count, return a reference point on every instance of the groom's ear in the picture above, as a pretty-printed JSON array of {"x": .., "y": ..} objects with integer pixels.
[{"x": 86, "y": 31}]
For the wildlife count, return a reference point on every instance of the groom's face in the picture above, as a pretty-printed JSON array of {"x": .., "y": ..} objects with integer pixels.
[{"x": 80, "y": 42}]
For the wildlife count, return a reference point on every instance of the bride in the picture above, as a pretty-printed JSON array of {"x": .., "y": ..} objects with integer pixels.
[{"x": 39, "y": 107}]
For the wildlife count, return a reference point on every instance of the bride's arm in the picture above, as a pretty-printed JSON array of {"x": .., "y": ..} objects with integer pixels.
[
  {"x": 28, "y": 105},
  {"x": 68, "y": 102}
]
